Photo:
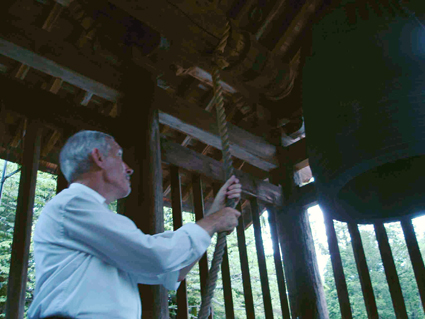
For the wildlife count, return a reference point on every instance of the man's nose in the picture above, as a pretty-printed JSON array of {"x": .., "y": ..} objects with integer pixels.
[{"x": 128, "y": 169}]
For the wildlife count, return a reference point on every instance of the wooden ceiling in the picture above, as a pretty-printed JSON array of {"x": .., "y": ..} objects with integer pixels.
[{"x": 63, "y": 61}]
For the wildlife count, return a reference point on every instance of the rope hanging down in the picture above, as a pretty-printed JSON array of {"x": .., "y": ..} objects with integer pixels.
[{"x": 220, "y": 63}]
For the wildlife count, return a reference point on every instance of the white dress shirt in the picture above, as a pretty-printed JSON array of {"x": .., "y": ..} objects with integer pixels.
[{"x": 89, "y": 260}]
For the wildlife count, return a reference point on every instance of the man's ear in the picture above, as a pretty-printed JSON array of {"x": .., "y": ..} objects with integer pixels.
[{"x": 98, "y": 158}]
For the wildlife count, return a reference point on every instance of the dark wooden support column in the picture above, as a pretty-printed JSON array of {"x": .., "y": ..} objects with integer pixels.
[
  {"x": 246, "y": 278},
  {"x": 363, "y": 270},
  {"x": 16, "y": 288},
  {"x": 306, "y": 294},
  {"x": 340, "y": 283},
  {"x": 176, "y": 202},
  {"x": 61, "y": 183},
  {"x": 415, "y": 256},
  {"x": 390, "y": 271},
  {"x": 198, "y": 207},
  {"x": 139, "y": 137},
  {"x": 225, "y": 275},
  {"x": 267, "y": 300},
  {"x": 278, "y": 263}
]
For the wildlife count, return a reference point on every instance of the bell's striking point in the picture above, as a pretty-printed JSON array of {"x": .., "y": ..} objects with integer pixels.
[{"x": 364, "y": 108}]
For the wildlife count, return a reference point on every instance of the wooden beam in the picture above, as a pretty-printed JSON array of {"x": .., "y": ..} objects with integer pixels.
[
  {"x": 341, "y": 284},
  {"x": 296, "y": 27},
  {"x": 267, "y": 299},
  {"x": 39, "y": 49},
  {"x": 272, "y": 212},
  {"x": 178, "y": 155},
  {"x": 390, "y": 271},
  {"x": 363, "y": 270},
  {"x": 246, "y": 278},
  {"x": 16, "y": 288},
  {"x": 202, "y": 125},
  {"x": 415, "y": 256},
  {"x": 176, "y": 199},
  {"x": 16, "y": 97}
]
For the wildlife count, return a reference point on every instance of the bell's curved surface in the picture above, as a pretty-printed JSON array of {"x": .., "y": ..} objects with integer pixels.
[{"x": 364, "y": 108}]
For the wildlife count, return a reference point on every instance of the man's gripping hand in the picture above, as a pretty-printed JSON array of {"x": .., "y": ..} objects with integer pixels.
[
  {"x": 225, "y": 220},
  {"x": 231, "y": 189}
]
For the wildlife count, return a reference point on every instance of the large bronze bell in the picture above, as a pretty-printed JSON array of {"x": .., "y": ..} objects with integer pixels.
[{"x": 364, "y": 108}]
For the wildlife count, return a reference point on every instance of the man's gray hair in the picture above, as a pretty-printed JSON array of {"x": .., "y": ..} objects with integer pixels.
[{"x": 75, "y": 156}]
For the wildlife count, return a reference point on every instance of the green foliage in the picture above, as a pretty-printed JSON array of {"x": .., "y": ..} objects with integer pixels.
[{"x": 45, "y": 190}]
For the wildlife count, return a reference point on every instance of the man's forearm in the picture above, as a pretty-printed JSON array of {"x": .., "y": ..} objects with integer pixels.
[{"x": 183, "y": 272}]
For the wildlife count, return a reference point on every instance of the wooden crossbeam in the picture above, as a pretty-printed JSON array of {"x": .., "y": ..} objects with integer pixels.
[
  {"x": 192, "y": 120},
  {"x": 192, "y": 161}
]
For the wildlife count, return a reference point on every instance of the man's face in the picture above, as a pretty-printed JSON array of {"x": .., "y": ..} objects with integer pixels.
[{"x": 117, "y": 173}]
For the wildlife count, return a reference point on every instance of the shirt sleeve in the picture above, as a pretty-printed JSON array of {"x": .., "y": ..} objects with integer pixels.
[{"x": 115, "y": 239}]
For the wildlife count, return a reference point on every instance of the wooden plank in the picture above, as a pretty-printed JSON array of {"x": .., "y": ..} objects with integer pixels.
[
  {"x": 16, "y": 288},
  {"x": 267, "y": 299},
  {"x": 192, "y": 161},
  {"x": 297, "y": 152},
  {"x": 246, "y": 278},
  {"x": 198, "y": 207},
  {"x": 390, "y": 271},
  {"x": 39, "y": 49},
  {"x": 176, "y": 200},
  {"x": 363, "y": 270},
  {"x": 341, "y": 284},
  {"x": 415, "y": 256},
  {"x": 278, "y": 263},
  {"x": 202, "y": 125},
  {"x": 225, "y": 275}
]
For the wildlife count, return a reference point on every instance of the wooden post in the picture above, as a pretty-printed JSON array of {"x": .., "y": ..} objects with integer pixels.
[
  {"x": 61, "y": 183},
  {"x": 267, "y": 300},
  {"x": 16, "y": 289},
  {"x": 340, "y": 283},
  {"x": 225, "y": 275},
  {"x": 246, "y": 278},
  {"x": 176, "y": 202},
  {"x": 139, "y": 137},
  {"x": 306, "y": 294},
  {"x": 390, "y": 271},
  {"x": 415, "y": 256},
  {"x": 198, "y": 207},
  {"x": 363, "y": 270},
  {"x": 278, "y": 263}
]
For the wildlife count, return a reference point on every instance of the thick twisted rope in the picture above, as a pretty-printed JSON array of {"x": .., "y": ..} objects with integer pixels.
[{"x": 220, "y": 63}]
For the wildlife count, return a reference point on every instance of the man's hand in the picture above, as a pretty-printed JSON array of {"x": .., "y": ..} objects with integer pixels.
[
  {"x": 225, "y": 220},
  {"x": 232, "y": 189}
]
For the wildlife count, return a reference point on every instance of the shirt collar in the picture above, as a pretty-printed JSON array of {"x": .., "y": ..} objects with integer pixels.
[{"x": 86, "y": 189}]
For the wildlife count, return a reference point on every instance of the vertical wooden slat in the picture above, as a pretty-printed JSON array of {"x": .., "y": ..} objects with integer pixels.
[
  {"x": 198, "y": 206},
  {"x": 415, "y": 256},
  {"x": 390, "y": 271},
  {"x": 16, "y": 288},
  {"x": 176, "y": 204},
  {"x": 267, "y": 299},
  {"x": 225, "y": 275},
  {"x": 246, "y": 278},
  {"x": 363, "y": 270},
  {"x": 278, "y": 263},
  {"x": 341, "y": 285}
]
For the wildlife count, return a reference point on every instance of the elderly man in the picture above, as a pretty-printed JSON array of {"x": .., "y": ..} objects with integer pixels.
[{"x": 89, "y": 260}]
